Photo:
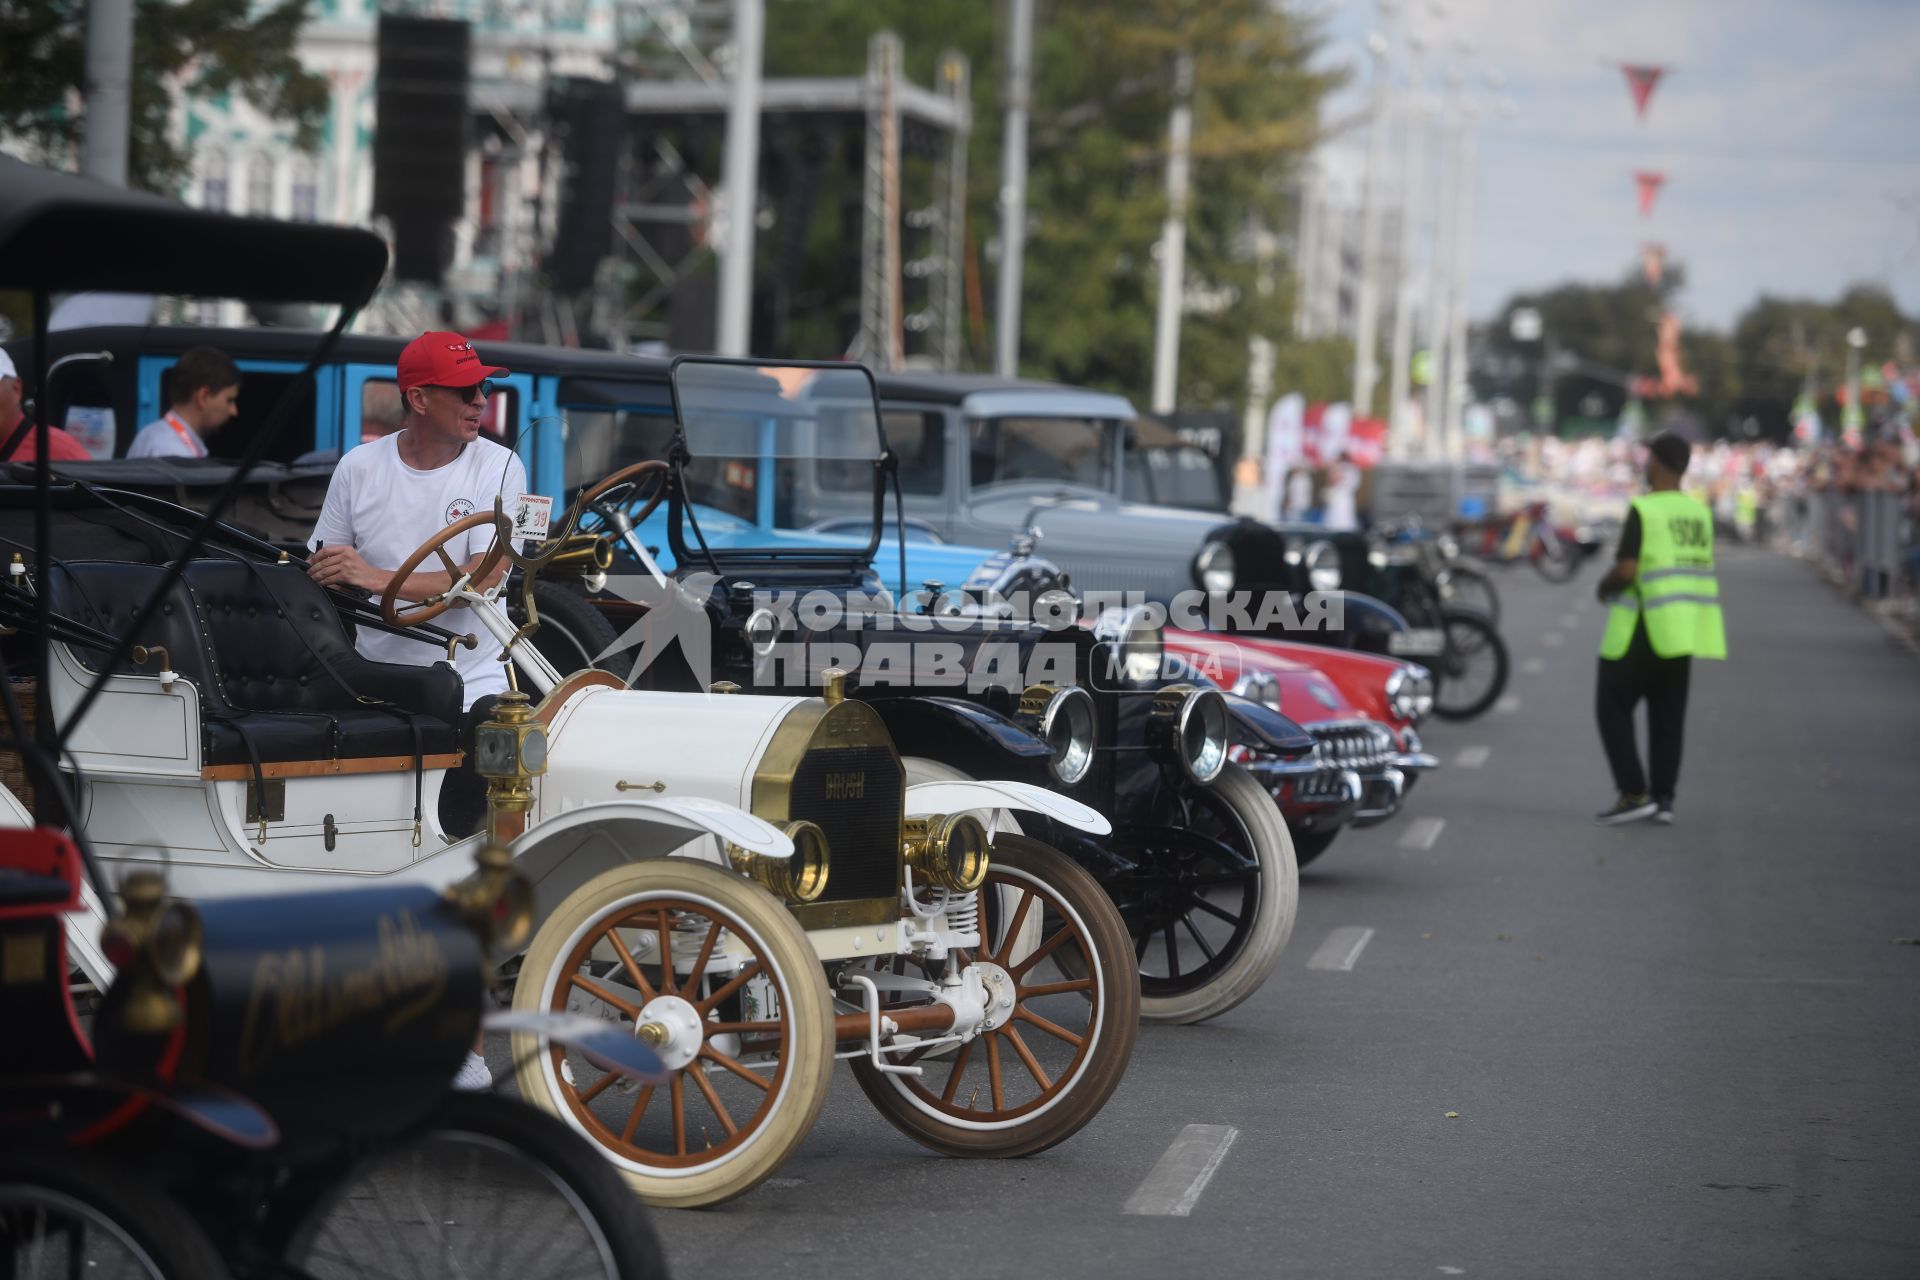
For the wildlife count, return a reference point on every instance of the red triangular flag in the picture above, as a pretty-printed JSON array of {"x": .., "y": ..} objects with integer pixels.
[
  {"x": 1649, "y": 184},
  {"x": 1640, "y": 81}
]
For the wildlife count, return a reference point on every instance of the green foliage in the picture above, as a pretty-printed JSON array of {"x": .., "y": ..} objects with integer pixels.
[
  {"x": 219, "y": 46},
  {"x": 1102, "y": 92}
]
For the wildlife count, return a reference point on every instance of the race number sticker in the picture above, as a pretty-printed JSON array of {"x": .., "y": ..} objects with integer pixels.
[{"x": 533, "y": 516}]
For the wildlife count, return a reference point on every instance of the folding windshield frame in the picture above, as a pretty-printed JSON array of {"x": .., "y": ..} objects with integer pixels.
[{"x": 679, "y": 501}]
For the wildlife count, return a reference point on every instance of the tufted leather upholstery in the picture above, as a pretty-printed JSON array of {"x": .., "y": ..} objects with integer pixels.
[{"x": 247, "y": 636}]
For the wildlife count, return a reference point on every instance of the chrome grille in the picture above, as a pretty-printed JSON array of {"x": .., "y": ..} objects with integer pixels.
[{"x": 1354, "y": 744}]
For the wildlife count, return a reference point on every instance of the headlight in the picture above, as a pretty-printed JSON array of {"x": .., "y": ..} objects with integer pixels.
[
  {"x": 1449, "y": 546},
  {"x": 1141, "y": 640},
  {"x": 1064, "y": 718},
  {"x": 799, "y": 878},
  {"x": 1323, "y": 567},
  {"x": 1410, "y": 693},
  {"x": 1213, "y": 568},
  {"x": 949, "y": 851},
  {"x": 1196, "y": 721}
]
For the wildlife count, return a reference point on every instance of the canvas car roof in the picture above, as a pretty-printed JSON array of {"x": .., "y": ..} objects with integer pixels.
[
  {"x": 58, "y": 231},
  {"x": 984, "y": 395},
  {"x": 354, "y": 348}
]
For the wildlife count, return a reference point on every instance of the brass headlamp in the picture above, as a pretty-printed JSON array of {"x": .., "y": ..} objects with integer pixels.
[
  {"x": 157, "y": 945},
  {"x": 950, "y": 851},
  {"x": 509, "y": 751}
]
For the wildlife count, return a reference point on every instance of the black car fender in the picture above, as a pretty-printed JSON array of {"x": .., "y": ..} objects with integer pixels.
[
  {"x": 1259, "y": 726},
  {"x": 974, "y": 739}
]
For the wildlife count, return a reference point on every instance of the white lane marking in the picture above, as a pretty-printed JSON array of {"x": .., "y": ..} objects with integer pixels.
[
  {"x": 1453, "y": 1271},
  {"x": 1533, "y": 666},
  {"x": 1508, "y": 705},
  {"x": 1553, "y": 639},
  {"x": 1422, "y": 832},
  {"x": 1472, "y": 757},
  {"x": 1341, "y": 951},
  {"x": 1173, "y": 1186}
]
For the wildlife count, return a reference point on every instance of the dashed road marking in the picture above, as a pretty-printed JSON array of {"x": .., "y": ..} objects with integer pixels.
[
  {"x": 1472, "y": 757},
  {"x": 1422, "y": 832},
  {"x": 1508, "y": 705},
  {"x": 1533, "y": 666},
  {"x": 1553, "y": 639},
  {"x": 1174, "y": 1184},
  {"x": 1341, "y": 951}
]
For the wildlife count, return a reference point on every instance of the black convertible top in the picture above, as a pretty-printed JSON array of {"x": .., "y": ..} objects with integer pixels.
[{"x": 63, "y": 232}]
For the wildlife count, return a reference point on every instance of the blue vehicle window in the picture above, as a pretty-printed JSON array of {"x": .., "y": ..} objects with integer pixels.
[
  {"x": 602, "y": 440},
  {"x": 380, "y": 413},
  {"x": 919, "y": 440},
  {"x": 259, "y": 391}
]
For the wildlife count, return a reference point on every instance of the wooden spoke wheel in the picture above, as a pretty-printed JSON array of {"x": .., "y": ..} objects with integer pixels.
[
  {"x": 739, "y": 1010},
  {"x": 1049, "y": 1063}
]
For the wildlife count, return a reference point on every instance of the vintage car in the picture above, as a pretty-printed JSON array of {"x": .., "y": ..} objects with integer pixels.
[
  {"x": 1360, "y": 708},
  {"x": 1199, "y": 861},
  {"x": 260, "y": 1072},
  {"x": 749, "y": 886}
]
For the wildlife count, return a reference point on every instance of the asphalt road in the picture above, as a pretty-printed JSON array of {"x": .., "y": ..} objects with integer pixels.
[{"x": 1669, "y": 1051}]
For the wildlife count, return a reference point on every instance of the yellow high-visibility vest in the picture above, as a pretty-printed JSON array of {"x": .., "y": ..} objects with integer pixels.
[{"x": 1675, "y": 589}]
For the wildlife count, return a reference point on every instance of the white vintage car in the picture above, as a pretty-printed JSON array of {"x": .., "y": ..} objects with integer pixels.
[{"x": 747, "y": 882}]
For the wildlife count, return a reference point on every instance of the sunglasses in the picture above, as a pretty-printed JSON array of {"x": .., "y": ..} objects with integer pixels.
[{"x": 479, "y": 391}]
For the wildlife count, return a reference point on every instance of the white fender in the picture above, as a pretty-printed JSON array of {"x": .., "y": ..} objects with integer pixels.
[
  {"x": 690, "y": 815},
  {"x": 957, "y": 797}
]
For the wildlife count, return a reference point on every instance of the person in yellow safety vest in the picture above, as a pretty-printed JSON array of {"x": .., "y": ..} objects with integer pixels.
[{"x": 1664, "y": 612}]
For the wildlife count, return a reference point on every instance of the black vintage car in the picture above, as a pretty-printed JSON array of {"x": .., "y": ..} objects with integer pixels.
[{"x": 1199, "y": 861}]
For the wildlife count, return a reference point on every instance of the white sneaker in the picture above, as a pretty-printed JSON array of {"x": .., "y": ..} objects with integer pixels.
[{"x": 473, "y": 1076}]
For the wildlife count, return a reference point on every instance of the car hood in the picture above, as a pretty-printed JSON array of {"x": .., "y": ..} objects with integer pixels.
[
  {"x": 1109, "y": 545},
  {"x": 926, "y": 561}
]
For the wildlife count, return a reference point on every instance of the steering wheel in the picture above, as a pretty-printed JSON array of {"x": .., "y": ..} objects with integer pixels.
[
  {"x": 437, "y": 544},
  {"x": 590, "y": 497}
]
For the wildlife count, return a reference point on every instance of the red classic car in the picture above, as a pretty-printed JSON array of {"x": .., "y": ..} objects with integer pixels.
[{"x": 1362, "y": 708}]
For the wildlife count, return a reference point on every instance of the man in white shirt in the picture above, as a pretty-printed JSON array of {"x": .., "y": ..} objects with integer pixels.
[
  {"x": 388, "y": 496},
  {"x": 203, "y": 387}
]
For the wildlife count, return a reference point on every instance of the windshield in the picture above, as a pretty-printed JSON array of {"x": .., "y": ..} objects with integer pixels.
[
  {"x": 782, "y": 446},
  {"x": 1180, "y": 475},
  {"x": 1075, "y": 451}
]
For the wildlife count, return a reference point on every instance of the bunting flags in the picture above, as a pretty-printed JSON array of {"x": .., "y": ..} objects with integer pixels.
[
  {"x": 1649, "y": 182},
  {"x": 1641, "y": 79}
]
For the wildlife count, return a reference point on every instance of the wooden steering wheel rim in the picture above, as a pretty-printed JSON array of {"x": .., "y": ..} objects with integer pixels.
[
  {"x": 418, "y": 614},
  {"x": 624, "y": 475}
]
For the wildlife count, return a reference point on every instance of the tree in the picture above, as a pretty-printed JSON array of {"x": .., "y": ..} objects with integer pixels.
[
  {"x": 1102, "y": 91},
  {"x": 1781, "y": 345},
  {"x": 211, "y": 46}
]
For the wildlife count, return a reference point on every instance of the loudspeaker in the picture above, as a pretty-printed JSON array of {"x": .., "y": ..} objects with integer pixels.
[
  {"x": 590, "y": 117},
  {"x": 420, "y": 139}
]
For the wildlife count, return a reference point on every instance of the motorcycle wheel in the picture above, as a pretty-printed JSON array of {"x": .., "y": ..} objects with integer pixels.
[
  {"x": 1474, "y": 664},
  {"x": 1036, "y": 1078},
  {"x": 749, "y": 1082},
  {"x": 68, "y": 1212},
  {"x": 1311, "y": 845},
  {"x": 1554, "y": 558},
  {"x": 514, "y": 1192},
  {"x": 1464, "y": 588}
]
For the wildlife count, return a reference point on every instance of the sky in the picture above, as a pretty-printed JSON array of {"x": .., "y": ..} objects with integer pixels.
[{"x": 1789, "y": 131}]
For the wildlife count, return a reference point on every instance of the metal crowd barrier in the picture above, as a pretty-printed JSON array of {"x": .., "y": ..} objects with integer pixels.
[{"x": 1864, "y": 539}]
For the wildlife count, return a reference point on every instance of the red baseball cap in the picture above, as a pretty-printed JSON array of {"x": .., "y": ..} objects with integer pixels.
[{"x": 441, "y": 359}]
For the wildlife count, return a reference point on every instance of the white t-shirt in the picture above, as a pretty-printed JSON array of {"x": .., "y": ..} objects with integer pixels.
[
  {"x": 167, "y": 437},
  {"x": 385, "y": 510}
]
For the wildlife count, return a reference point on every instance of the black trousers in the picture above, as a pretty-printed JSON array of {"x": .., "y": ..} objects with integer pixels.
[
  {"x": 463, "y": 792},
  {"x": 1623, "y": 683}
]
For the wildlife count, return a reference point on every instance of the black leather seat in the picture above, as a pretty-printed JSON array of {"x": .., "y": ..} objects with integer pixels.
[{"x": 278, "y": 678}]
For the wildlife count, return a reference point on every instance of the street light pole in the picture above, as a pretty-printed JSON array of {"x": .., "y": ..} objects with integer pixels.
[
  {"x": 743, "y": 174},
  {"x": 1173, "y": 240},
  {"x": 1399, "y": 411},
  {"x": 109, "y": 93},
  {"x": 1013, "y": 190},
  {"x": 1367, "y": 307},
  {"x": 1457, "y": 372},
  {"x": 1439, "y": 272}
]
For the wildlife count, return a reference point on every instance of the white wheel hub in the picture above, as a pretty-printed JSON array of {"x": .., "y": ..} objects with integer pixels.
[
  {"x": 671, "y": 1027},
  {"x": 1002, "y": 995}
]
